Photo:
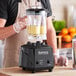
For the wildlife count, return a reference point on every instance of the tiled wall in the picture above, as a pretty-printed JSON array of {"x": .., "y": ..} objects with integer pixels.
[{"x": 58, "y": 7}]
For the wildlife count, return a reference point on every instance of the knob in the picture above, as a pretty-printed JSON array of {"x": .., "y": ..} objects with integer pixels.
[
  {"x": 38, "y": 43},
  {"x": 43, "y": 43},
  {"x": 28, "y": 43},
  {"x": 37, "y": 62},
  {"x": 34, "y": 44},
  {"x": 48, "y": 61}
]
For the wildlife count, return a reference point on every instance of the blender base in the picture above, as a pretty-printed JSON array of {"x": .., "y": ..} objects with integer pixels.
[{"x": 36, "y": 56}]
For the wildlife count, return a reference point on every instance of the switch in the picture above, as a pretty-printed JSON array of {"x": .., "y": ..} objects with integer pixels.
[
  {"x": 48, "y": 61},
  {"x": 37, "y": 62}
]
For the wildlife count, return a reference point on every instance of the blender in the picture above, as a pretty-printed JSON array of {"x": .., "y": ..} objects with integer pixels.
[
  {"x": 36, "y": 20},
  {"x": 36, "y": 55}
]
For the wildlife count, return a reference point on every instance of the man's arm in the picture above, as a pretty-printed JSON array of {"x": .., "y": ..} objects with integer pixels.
[
  {"x": 51, "y": 34},
  {"x": 12, "y": 29},
  {"x": 5, "y": 31}
]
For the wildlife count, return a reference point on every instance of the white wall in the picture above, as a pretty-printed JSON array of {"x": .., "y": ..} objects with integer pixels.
[{"x": 58, "y": 7}]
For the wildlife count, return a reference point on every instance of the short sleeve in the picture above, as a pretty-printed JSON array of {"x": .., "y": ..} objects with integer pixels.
[
  {"x": 18, "y": 0},
  {"x": 47, "y": 6},
  {"x": 3, "y": 9}
]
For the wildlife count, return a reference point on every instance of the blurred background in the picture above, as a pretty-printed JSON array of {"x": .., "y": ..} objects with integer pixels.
[{"x": 63, "y": 15}]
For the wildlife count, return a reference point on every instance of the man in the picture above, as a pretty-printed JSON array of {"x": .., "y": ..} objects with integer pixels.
[{"x": 14, "y": 33}]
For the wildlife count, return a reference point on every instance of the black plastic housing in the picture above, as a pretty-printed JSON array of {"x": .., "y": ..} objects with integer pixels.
[{"x": 36, "y": 56}]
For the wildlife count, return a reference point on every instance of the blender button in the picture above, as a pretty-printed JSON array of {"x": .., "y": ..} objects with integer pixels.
[
  {"x": 37, "y": 62},
  {"x": 48, "y": 61}
]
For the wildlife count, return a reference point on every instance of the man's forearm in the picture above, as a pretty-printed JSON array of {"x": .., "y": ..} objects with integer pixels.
[
  {"x": 6, "y": 32},
  {"x": 51, "y": 39},
  {"x": 51, "y": 35}
]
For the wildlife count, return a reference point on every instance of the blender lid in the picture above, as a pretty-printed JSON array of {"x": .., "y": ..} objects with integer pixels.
[{"x": 35, "y": 11}]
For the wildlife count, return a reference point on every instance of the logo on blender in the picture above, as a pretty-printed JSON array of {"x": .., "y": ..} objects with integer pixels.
[{"x": 43, "y": 52}]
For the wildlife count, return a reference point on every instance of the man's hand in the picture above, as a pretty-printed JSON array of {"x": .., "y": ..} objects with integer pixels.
[
  {"x": 61, "y": 61},
  {"x": 55, "y": 58},
  {"x": 20, "y": 24}
]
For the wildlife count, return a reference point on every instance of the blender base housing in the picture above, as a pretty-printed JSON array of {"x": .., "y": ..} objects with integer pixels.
[{"x": 36, "y": 56}]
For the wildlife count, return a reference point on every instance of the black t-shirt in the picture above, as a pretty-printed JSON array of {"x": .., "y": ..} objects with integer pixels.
[
  {"x": 9, "y": 10},
  {"x": 46, "y": 5}
]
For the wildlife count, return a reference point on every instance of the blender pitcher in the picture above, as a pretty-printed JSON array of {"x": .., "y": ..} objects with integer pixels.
[{"x": 36, "y": 23}]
